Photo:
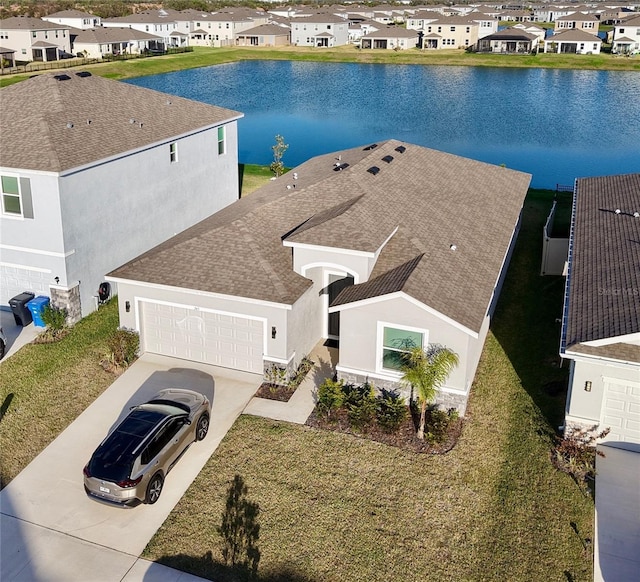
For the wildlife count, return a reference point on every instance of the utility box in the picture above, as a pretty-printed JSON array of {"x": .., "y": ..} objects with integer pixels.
[
  {"x": 21, "y": 312},
  {"x": 36, "y": 307}
]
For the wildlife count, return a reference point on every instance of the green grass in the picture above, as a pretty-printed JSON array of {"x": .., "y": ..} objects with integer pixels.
[
  {"x": 252, "y": 177},
  {"x": 44, "y": 387},
  {"x": 205, "y": 56},
  {"x": 335, "y": 507}
]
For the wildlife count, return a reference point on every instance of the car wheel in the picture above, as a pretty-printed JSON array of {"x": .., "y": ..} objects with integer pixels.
[
  {"x": 154, "y": 489},
  {"x": 203, "y": 427},
  {"x": 3, "y": 347}
]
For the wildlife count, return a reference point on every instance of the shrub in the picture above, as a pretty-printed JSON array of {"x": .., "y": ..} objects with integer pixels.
[
  {"x": 391, "y": 410},
  {"x": 360, "y": 402},
  {"x": 330, "y": 396},
  {"x": 54, "y": 318},
  {"x": 275, "y": 375},
  {"x": 301, "y": 371},
  {"x": 575, "y": 454},
  {"x": 123, "y": 348},
  {"x": 438, "y": 424}
]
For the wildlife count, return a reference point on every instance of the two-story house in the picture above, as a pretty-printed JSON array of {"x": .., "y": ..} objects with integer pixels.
[
  {"x": 94, "y": 172},
  {"x": 320, "y": 30},
  {"x": 33, "y": 39}
]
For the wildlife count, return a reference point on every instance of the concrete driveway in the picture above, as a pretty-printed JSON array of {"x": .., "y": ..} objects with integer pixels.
[
  {"x": 17, "y": 336},
  {"x": 45, "y": 506}
]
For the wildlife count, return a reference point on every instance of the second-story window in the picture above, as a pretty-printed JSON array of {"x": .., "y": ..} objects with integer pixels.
[
  {"x": 173, "y": 152},
  {"x": 221, "y": 141}
]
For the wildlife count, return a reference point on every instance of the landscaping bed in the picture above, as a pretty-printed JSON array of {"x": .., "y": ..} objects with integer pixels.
[{"x": 404, "y": 437}]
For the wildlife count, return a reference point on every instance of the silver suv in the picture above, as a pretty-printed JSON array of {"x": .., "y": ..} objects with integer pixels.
[{"x": 130, "y": 465}]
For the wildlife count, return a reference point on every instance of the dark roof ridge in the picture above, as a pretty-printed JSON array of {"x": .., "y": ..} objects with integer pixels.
[
  {"x": 322, "y": 217},
  {"x": 392, "y": 281}
]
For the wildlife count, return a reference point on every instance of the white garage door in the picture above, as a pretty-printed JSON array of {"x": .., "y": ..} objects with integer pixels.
[
  {"x": 621, "y": 411},
  {"x": 202, "y": 336}
]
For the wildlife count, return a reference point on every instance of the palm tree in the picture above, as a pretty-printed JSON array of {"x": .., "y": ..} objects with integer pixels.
[{"x": 426, "y": 371}]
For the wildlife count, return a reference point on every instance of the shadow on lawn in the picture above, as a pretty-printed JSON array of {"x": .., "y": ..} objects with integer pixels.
[
  {"x": 527, "y": 319},
  {"x": 207, "y": 567}
]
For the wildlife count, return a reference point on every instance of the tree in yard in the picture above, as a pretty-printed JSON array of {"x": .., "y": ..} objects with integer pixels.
[
  {"x": 277, "y": 167},
  {"x": 426, "y": 371}
]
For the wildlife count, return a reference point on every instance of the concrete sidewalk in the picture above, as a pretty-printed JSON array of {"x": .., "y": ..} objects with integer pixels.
[
  {"x": 17, "y": 336},
  {"x": 302, "y": 402}
]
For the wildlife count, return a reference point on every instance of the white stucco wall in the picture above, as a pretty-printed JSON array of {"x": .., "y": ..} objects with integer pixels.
[
  {"x": 305, "y": 320},
  {"x": 359, "y": 349},
  {"x": 32, "y": 250},
  {"x": 114, "y": 211},
  {"x": 586, "y": 407},
  {"x": 276, "y": 316}
]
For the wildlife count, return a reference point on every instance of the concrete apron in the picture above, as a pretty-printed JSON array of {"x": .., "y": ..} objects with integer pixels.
[{"x": 49, "y": 492}]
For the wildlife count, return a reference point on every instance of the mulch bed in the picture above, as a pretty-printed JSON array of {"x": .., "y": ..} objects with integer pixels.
[
  {"x": 404, "y": 438},
  {"x": 50, "y": 336},
  {"x": 275, "y": 392}
]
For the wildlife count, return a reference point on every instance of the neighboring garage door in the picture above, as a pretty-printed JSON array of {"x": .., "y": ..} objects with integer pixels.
[
  {"x": 621, "y": 410},
  {"x": 220, "y": 339}
]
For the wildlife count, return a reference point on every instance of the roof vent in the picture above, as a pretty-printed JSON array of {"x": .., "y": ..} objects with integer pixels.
[
  {"x": 168, "y": 102},
  {"x": 69, "y": 125},
  {"x": 636, "y": 214},
  {"x": 62, "y": 77},
  {"x": 388, "y": 159},
  {"x": 132, "y": 121},
  {"x": 373, "y": 170},
  {"x": 370, "y": 147},
  {"x": 401, "y": 149},
  {"x": 83, "y": 74},
  {"x": 618, "y": 211},
  {"x": 339, "y": 167},
  {"x": 453, "y": 247}
]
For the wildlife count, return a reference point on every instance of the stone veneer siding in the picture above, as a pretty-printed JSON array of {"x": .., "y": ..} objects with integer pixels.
[
  {"x": 68, "y": 299},
  {"x": 444, "y": 400}
]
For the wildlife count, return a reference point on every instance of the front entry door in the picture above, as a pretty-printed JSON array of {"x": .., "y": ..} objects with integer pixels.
[{"x": 336, "y": 284}]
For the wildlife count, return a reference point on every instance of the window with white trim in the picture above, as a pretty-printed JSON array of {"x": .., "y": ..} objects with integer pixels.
[
  {"x": 221, "y": 141},
  {"x": 173, "y": 152},
  {"x": 16, "y": 196},
  {"x": 397, "y": 343}
]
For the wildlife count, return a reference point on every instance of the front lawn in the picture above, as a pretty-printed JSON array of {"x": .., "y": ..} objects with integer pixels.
[
  {"x": 339, "y": 507},
  {"x": 44, "y": 387}
]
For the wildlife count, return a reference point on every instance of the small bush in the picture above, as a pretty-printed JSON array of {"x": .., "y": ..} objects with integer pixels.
[
  {"x": 575, "y": 454},
  {"x": 438, "y": 423},
  {"x": 275, "y": 375},
  {"x": 123, "y": 348},
  {"x": 330, "y": 396},
  {"x": 391, "y": 410},
  {"x": 302, "y": 370},
  {"x": 54, "y": 318},
  {"x": 360, "y": 402}
]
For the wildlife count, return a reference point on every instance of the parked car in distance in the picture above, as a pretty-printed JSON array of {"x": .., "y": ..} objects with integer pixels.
[
  {"x": 3, "y": 343},
  {"x": 131, "y": 463}
]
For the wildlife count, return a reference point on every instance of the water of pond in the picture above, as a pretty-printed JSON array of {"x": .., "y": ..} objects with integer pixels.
[{"x": 557, "y": 125}]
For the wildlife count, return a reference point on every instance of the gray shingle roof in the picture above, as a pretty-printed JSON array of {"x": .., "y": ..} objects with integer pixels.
[
  {"x": 604, "y": 278},
  {"x": 53, "y": 125},
  {"x": 29, "y": 23},
  {"x": 433, "y": 199},
  {"x": 112, "y": 34}
]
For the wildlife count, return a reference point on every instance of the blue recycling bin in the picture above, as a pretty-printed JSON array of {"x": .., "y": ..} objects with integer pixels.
[{"x": 36, "y": 307}]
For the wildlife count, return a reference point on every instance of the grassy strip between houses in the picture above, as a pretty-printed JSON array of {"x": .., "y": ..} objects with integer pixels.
[
  {"x": 44, "y": 387},
  {"x": 335, "y": 507},
  {"x": 207, "y": 56}
]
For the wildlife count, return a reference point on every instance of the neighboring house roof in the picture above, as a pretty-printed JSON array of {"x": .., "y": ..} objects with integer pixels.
[
  {"x": 55, "y": 125},
  {"x": 511, "y": 34},
  {"x": 392, "y": 32},
  {"x": 423, "y": 199},
  {"x": 578, "y": 17},
  {"x": 150, "y": 17},
  {"x": 320, "y": 19},
  {"x": 266, "y": 30},
  {"x": 112, "y": 34},
  {"x": 604, "y": 271},
  {"x": 29, "y": 23},
  {"x": 633, "y": 20},
  {"x": 70, "y": 14},
  {"x": 573, "y": 35}
]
